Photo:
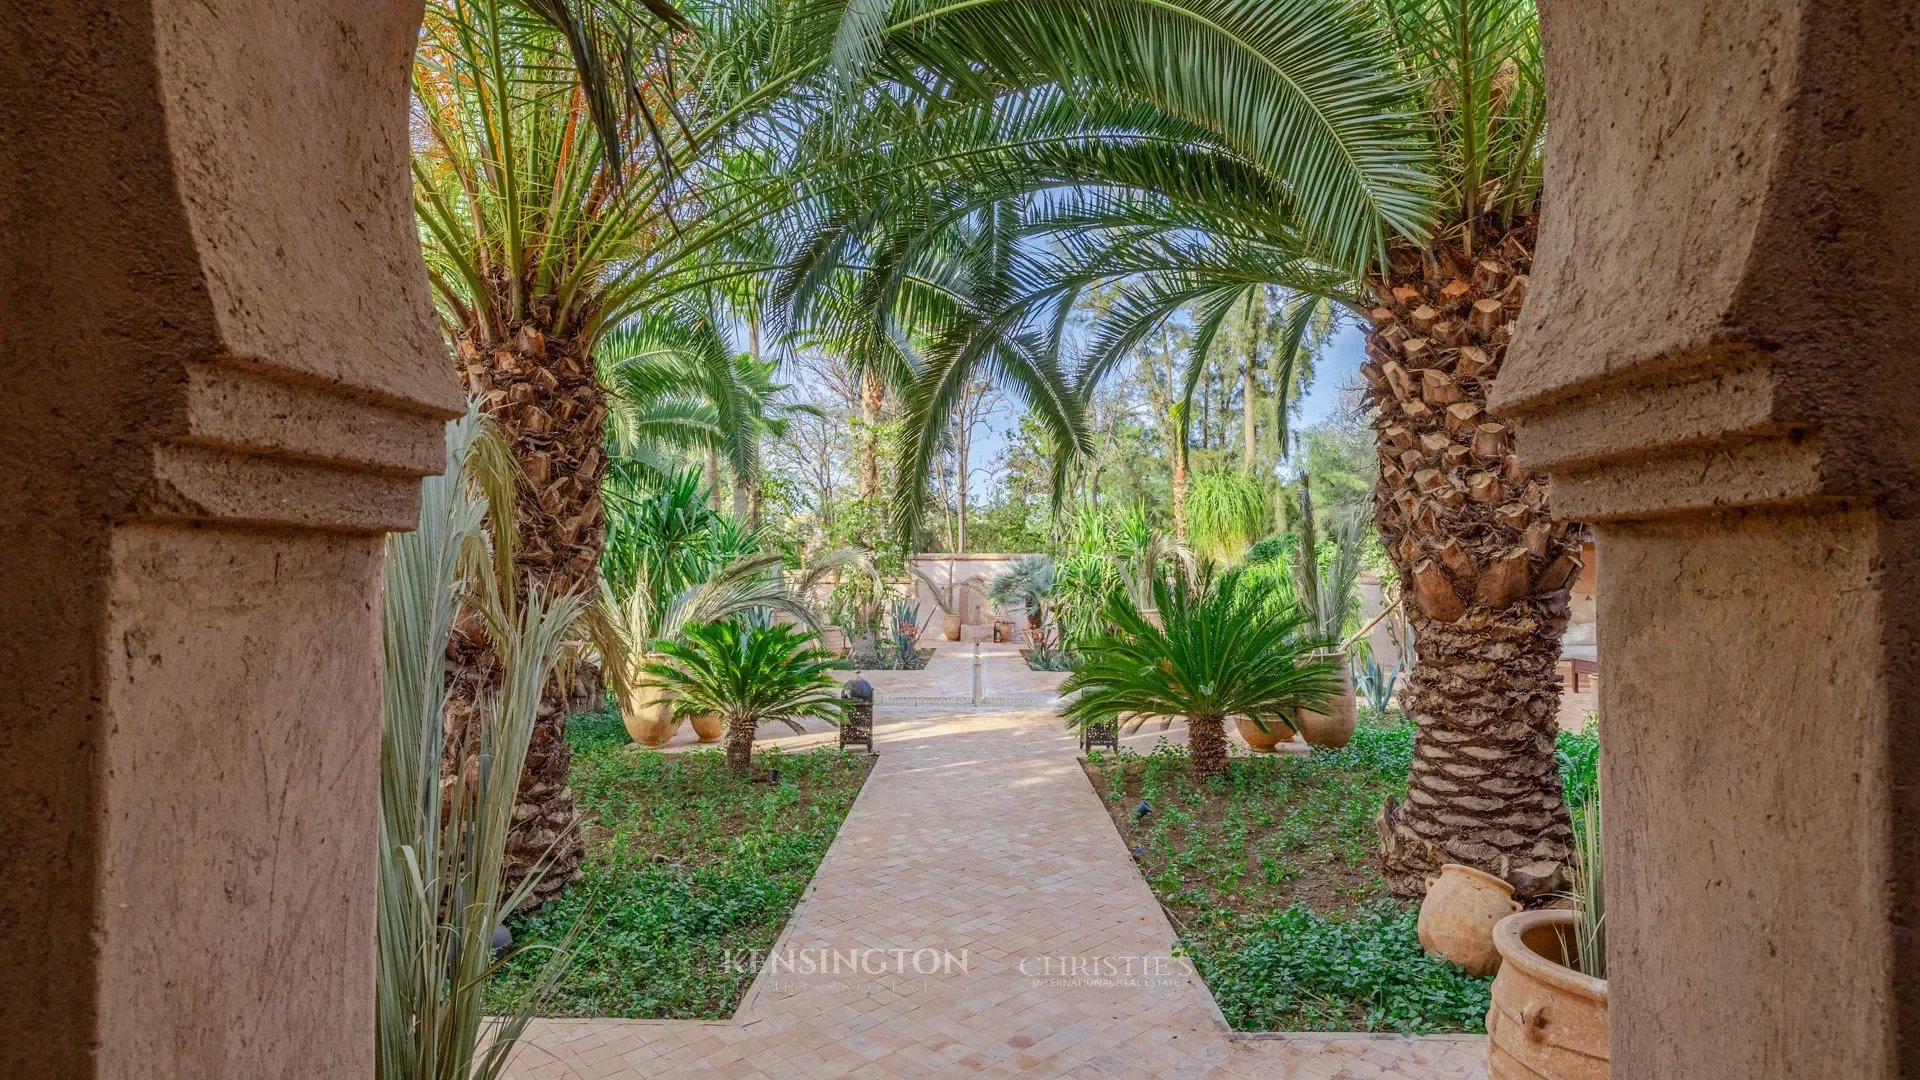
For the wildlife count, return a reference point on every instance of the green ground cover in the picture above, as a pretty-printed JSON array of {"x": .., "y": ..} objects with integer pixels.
[
  {"x": 1269, "y": 879},
  {"x": 684, "y": 864}
]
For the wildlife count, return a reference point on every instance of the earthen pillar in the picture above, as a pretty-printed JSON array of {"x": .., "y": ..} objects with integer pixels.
[
  {"x": 1718, "y": 366},
  {"x": 223, "y": 383}
]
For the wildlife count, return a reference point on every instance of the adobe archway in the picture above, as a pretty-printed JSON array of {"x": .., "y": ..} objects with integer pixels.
[
  {"x": 225, "y": 382},
  {"x": 1717, "y": 366},
  {"x": 230, "y": 380}
]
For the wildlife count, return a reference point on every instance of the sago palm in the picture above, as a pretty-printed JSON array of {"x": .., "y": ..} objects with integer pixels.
[
  {"x": 748, "y": 675},
  {"x": 1218, "y": 653}
]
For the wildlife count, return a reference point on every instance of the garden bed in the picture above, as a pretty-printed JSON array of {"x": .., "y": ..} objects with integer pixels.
[
  {"x": 684, "y": 864},
  {"x": 1270, "y": 882}
]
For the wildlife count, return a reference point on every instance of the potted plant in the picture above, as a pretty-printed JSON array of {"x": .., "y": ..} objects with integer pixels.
[
  {"x": 1223, "y": 653},
  {"x": 630, "y": 629},
  {"x": 1264, "y": 734},
  {"x": 1549, "y": 1014},
  {"x": 748, "y": 675}
]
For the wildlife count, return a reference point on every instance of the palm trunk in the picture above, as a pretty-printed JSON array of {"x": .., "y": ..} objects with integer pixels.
[
  {"x": 713, "y": 480},
  {"x": 1486, "y": 571},
  {"x": 1207, "y": 744},
  {"x": 961, "y": 469},
  {"x": 543, "y": 397},
  {"x": 740, "y": 733},
  {"x": 1180, "y": 494},
  {"x": 873, "y": 394}
]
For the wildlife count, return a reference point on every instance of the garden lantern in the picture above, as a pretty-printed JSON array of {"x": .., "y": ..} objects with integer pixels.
[
  {"x": 857, "y": 727},
  {"x": 1100, "y": 733}
]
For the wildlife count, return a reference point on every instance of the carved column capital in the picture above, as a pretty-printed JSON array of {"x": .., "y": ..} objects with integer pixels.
[{"x": 1699, "y": 337}]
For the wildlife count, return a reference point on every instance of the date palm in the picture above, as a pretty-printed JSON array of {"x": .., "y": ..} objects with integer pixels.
[
  {"x": 568, "y": 162},
  {"x": 749, "y": 675},
  {"x": 1219, "y": 652},
  {"x": 1408, "y": 198}
]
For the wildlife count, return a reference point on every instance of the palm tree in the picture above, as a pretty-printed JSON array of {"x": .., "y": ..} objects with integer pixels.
[
  {"x": 749, "y": 675},
  {"x": 1027, "y": 584},
  {"x": 678, "y": 384},
  {"x": 561, "y": 155},
  {"x": 1219, "y": 653},
  {"x": 1396, "y": 173}
]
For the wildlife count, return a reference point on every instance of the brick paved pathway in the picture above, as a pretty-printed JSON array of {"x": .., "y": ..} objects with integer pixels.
[{"x": 985, "y": 893}]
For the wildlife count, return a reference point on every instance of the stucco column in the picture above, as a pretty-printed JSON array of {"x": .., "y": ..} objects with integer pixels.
[
  {"x": 223, "y": 383},
  {"x": 1718, "y": 366}
]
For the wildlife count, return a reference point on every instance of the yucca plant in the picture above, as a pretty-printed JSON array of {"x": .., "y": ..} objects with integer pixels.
[
  {"x": 1218, "y": 654},
  {"x": 1590, "y": 895},
  {"x": 1325, "y": 583},
  {"x": 1025, "y": 586},
  {"x": 749, "y": 675},
  {"x": 442, "y": 882}
]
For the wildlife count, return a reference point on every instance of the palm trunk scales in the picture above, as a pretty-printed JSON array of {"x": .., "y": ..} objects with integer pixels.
[
  {"x": 544, "y": 398},
  {"x": 1484, "y": 568}
]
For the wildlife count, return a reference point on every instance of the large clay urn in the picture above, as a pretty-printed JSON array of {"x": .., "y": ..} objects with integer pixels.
[
  {"x": 1263, "y": 742},
  {"x": 950, "y": 627},
  {"x": 1548, "y": 1021},
  {"x": 649, "y": 716},
  {"x": 1333, "y": 728},
  {"x": 1459, "y": 913},
  {"x": 708, "y": 727}
]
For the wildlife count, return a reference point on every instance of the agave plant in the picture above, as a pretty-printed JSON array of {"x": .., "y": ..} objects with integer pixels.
[
  {"x": 1218, "y": 654},
  {"x": 749, "y": 675},
  {"x": 442, "y": 883},
  {"x": 1375, "y": 684}
]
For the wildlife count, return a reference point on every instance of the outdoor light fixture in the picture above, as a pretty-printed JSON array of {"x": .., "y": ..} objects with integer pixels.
[
  {"x": 857, "y": 727},
  {"x": 1104, "y": 733}
]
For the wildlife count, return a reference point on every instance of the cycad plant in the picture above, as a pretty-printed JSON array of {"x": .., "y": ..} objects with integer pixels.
[
  {"x": 442, "y": 881},
  {"x": 749, "y": 675},
  {"x": 1218, "y": 654},
  {"x": 672, "y": 562}
]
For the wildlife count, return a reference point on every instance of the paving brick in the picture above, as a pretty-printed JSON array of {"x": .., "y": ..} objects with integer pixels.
[{"x": 977, "y": 836}]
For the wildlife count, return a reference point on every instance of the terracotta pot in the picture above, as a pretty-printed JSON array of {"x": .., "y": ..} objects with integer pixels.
[
  {"x": 1263, "y": 742},
  {"x": 649, "y": 717},
  {"x": 708, "y": 726},
  {"x": 1548, "y": 1021},
  {"x": 833, "y": 639},
  {"x": 1003, "y": 629},
  {"x": 950, "y": 627},
  {"x": 1333, "y": 728},
  {"x": 1458, "y": 915}
]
